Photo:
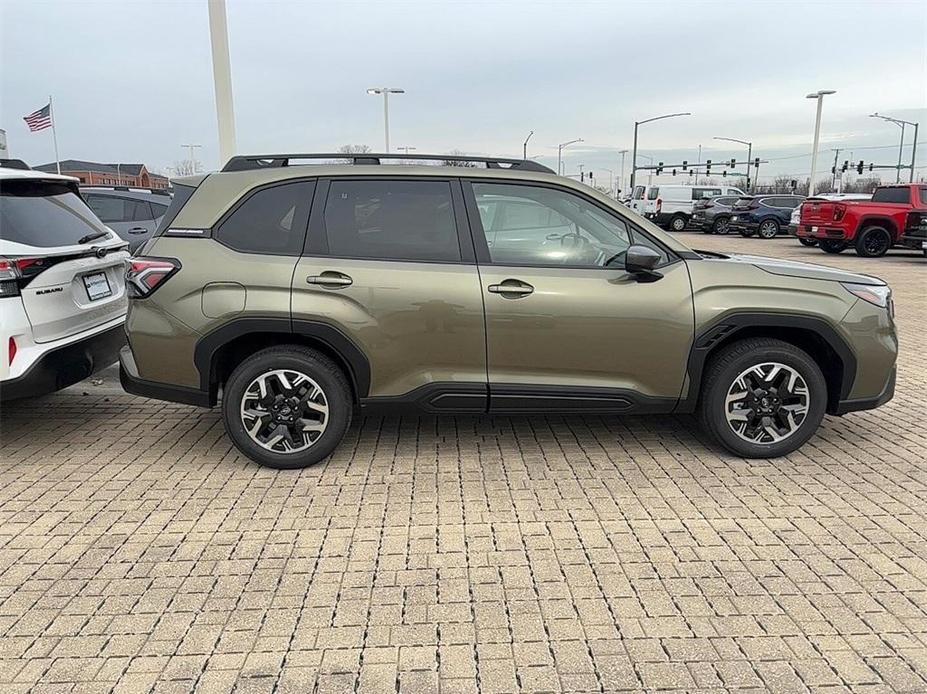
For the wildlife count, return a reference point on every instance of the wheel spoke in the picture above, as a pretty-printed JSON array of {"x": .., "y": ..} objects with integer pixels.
[
  {"x": 284, "y": 411},
  {"x": 767, "y": 403}
]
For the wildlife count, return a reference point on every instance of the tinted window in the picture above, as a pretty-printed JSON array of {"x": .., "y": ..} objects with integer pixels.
[
  {"x": 108, "y": 208},
  {"x": 569, "y": 230},
  {"x": 44, "y": 214},
  {"x": 891, "y": 195},
  {"x": 141, "y": 210},
  {"x": 653, "y": 193},
  {"x": 158, "y": 210},
  {"x": 726, "y": 201},
  {"x": 638, "y": 193},
  {"x": 399, "y": 220},
  {"x": 699, "y": 193},
  {"x": 272, "y": 220}
]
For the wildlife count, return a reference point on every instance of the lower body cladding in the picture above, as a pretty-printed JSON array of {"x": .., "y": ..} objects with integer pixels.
[{"x": 53, "y": 366}]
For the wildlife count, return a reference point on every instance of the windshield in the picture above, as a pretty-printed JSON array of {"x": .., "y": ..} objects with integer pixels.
[{"x": 44, "y": 214}]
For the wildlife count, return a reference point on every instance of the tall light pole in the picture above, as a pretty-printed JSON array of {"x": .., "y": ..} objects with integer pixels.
[
  {"x": 902, "y": 123},
  {"x": 222, "y": 79},
  {"x": 386, "y": 91},
  {"x": 819, "y": 95},
  {"x": 192, "y": 149},
  {"x": 622, "y": 152},
  {"x": 524, "y": 147},
  {"x": 749, "y": 154},
  {"x": 560, "y": 153},
  {"x": 638, "y": 123}
]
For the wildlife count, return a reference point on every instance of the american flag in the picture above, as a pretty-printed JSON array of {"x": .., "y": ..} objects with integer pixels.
[{"x": 39, "y": 120}]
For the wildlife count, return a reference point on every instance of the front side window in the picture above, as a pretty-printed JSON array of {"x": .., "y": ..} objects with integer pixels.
[
  {"x": 392, "y": 220},
  {"x": 270, "y": 221},
  {"x": 565, "y": 229}
]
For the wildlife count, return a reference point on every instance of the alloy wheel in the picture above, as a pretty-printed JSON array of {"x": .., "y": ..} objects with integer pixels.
[
  {"x": 721, "y": 226},
  {"x": 284, "y": 411},
  {"x": 768, "y": 229},
  {"x": 876, "y": 243},
  {"x": 767, "y": 403}
]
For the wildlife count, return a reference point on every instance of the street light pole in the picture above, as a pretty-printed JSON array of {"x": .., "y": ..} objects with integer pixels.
[
  {"x": 524, "y": 147},
  {"x": 621, "y": 173},
  {"x": 749, "y": 154},
  {"x": 819, "y": 95},
  {"x": 222, "y": 79},
  {"x": 901, "y": 123},
  {"x": 638, "y": 123},
  {"x": 386, "y": 91},
  {"x": 560, "y": 153}
]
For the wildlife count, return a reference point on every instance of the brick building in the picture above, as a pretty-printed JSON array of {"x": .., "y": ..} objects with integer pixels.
[{"x": 92, "y": 173}]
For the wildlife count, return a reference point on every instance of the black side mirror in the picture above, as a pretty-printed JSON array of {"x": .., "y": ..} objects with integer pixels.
[{"x": 641, "y": 261}]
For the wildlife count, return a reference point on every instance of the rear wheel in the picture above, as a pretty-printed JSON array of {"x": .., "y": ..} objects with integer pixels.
[
  {"x": 768, "y": 229},
  {"x": 721, "y": 225},
  {"x": 286, "y": 407},
  {"x": 804, "y": 241},
  {"x": 762, "y": 398},
  {"x": 678, "y": 222},
  {"x": 873, "y": 242},
  {"x": 831, "y": 246}
]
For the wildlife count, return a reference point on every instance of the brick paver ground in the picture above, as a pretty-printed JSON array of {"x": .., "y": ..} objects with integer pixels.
[{"x": 139, "y": 552}]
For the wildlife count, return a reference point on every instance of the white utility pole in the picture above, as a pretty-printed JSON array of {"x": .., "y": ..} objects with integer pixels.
[
  {"x": 222, "y": 79},
  {"x": 621, "y": 174},
  {"x": 819, "y": 95},
  {"x": 386, "y": 91}
]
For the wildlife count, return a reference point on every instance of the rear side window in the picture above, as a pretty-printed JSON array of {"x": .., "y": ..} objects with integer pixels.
[
  {"x": 653, "y": 193},
  {"x": 699, "y": 193},
  {"x": 638, "y": 193},
  {"x": 391, "y": 220},
  {"x": 158, "y": 210},
  {"x": 923, "y": 196},
  {"x": 271, "y": 221},
  {"x": 893, "y": 195},
  {"x": 181, "y": 195},
  {"x": 44, "y": 214}
]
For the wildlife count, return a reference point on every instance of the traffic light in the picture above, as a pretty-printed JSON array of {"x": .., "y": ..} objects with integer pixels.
[
  {"x": 846, "y": 165},
  {"x": 756, "y": 162},
  {"x": 674, "y": 172},
  {"x": 685, "y": 164},
  {"x": 659, "y": 167},
  {"x": 833, "y": 170},
  {"x": 733, "y": 163},
  {"x": 708, "y": 166},
  {"x": 870, "y": 168},
  {"x": 859, "y": 167},
  {"x": 582, "y": 176},
  {"x": 724, "y": 173},
  {"x": 793, "y": 183}
]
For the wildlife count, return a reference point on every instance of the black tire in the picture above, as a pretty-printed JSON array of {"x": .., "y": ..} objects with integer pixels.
[
  {"x": 721, "y": 225},
  {"x": 733, "y": 360},
  {"x": 873, "y": 242},
  {"x": 768, "y": 229},
  {"x": 831, "y": 246},
  {"x": 805, "y": 241},
  {"x": 679, "y": 222},
  {"x": 318, "y": 367}
]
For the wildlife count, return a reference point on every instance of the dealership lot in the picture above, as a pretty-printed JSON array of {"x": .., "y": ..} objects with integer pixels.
[{"x": 139, "y": 551}]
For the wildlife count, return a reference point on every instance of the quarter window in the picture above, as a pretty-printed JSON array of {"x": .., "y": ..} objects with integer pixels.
[
  {"x": 271, "y": 221},
  {"x": 552, "y": 227},
  {"x": 392, "y": 220}
]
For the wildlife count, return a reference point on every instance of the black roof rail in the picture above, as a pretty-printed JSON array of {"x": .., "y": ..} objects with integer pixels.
[{"x": 270, "y": 161}]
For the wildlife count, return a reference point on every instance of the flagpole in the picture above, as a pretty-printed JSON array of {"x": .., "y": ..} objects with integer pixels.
[{"x": 51, "y": 112}]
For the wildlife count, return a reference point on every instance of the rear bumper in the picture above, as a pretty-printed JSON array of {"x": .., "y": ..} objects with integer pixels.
[
  {"x": 820, "y": 232},
  {"x": 888, "y": 392},
  {"x": 132, "y": 383},
  {"x": 66, "y": 365}
]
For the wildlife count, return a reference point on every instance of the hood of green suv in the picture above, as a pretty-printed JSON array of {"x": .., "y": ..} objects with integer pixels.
[{"x": 794, "y": 268}]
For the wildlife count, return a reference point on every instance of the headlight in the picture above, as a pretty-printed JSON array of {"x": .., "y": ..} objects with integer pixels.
[{"x": 880, "y": 295}]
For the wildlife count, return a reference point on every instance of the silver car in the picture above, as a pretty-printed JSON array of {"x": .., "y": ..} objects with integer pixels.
[{"x": 133, "y": 213}]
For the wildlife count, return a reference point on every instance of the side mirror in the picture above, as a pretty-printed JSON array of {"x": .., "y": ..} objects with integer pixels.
[{"x": 641, "y": 261}]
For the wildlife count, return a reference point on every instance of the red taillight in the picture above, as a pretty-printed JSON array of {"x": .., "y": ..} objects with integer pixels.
[
  {"x": 839, "y": 211},
  {"x": 11, "y": 352},
  {"x": 144, "y": 275},
  {"x": 659, "y": 204}
]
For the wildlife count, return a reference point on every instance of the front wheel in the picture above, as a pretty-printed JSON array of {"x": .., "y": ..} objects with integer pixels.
[
  {"x": 721, "y": 225},
  {"x": 286, "y": 407},
  {"x": 768, "y": 229},
  {"x": 873, "y": 242},
  {"x": 762, "y": 398},
  {"x": 678, "y": 222},
  {"x": 831, "y": 246},
  {"x": 805, "y": 241}
]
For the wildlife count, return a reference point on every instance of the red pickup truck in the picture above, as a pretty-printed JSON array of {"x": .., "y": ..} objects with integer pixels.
[{"x": 870, "y": 226}]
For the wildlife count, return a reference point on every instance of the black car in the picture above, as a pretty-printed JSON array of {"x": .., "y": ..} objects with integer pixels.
[
  {"x": 713, "y": 215},
  {"x": 764, "y": 215}
]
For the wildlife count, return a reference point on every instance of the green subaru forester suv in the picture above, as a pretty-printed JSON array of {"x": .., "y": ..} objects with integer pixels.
[{"x": 297, "y": 294}]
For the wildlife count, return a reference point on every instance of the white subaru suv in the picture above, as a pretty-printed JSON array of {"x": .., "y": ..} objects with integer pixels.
[{"x": 62, "y": 285}]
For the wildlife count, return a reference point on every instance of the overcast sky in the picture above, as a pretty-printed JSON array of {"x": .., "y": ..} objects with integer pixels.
[{"x": 132, "y": 80}]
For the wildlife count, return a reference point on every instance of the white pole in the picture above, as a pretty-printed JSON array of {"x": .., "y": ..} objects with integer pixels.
[
  {"x": 386, "y": 117},
  {"x": 51, "y": 114},
  {"x": 222, "y": 79},
  {"x": 814, "y": 150}
]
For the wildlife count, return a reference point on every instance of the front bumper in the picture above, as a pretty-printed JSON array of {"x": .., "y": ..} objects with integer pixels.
[
  {"x": 66, "y": 365},
  {"x": 917, "y": 241},
  {"x": 658, "y": 218},
  {"x": 888, "y": 392}
]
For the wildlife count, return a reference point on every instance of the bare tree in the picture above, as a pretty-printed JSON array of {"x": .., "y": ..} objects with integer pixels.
[
  {"x": 458, "y": 162},
  {"x": 862, "y": 185},
  {"x": 352, "y": 149},
  {"x": 187, "y": 167}
]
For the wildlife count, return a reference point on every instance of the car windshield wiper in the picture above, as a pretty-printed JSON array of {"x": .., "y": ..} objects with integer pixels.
[{"x": 92, "y": 237}]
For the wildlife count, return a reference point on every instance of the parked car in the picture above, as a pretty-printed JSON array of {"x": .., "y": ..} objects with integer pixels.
[
  {"x": 713, "y": 215},
  {"x": 304, "y": 293},
  {"x": 133, "y": 213},
  {"x": 764, "y": 215},
  {"x": 795, "y": 219},
  {"x": 62, "y": 285},
  {"x": 671, "y": 206},
  {"x": 872, "y": 226}
]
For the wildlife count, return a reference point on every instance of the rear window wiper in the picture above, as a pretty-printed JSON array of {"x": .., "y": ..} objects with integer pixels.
[{"x": 92, "y": 237}]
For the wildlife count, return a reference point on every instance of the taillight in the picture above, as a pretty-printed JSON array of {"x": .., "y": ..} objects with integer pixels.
[
  {"x": 11, "y": 352},
  {"x": 839, "y": 211},
  {"x": 659, "y": 204},
  {"x": 9, "y": 277},
  {"x": 145, "y": 275}
]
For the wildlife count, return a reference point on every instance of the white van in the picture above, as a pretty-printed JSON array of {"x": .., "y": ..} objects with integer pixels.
[{"x": 671, "y": 206}]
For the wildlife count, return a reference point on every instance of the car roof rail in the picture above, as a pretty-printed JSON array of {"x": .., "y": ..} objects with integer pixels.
[{"x": 270, "y": 161}]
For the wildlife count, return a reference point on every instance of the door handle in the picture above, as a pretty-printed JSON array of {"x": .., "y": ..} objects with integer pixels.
[
  {"x": 512, "y": 288},
  {"x": 332, "y": 280},
  {"x": 137, "y": 230}
]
